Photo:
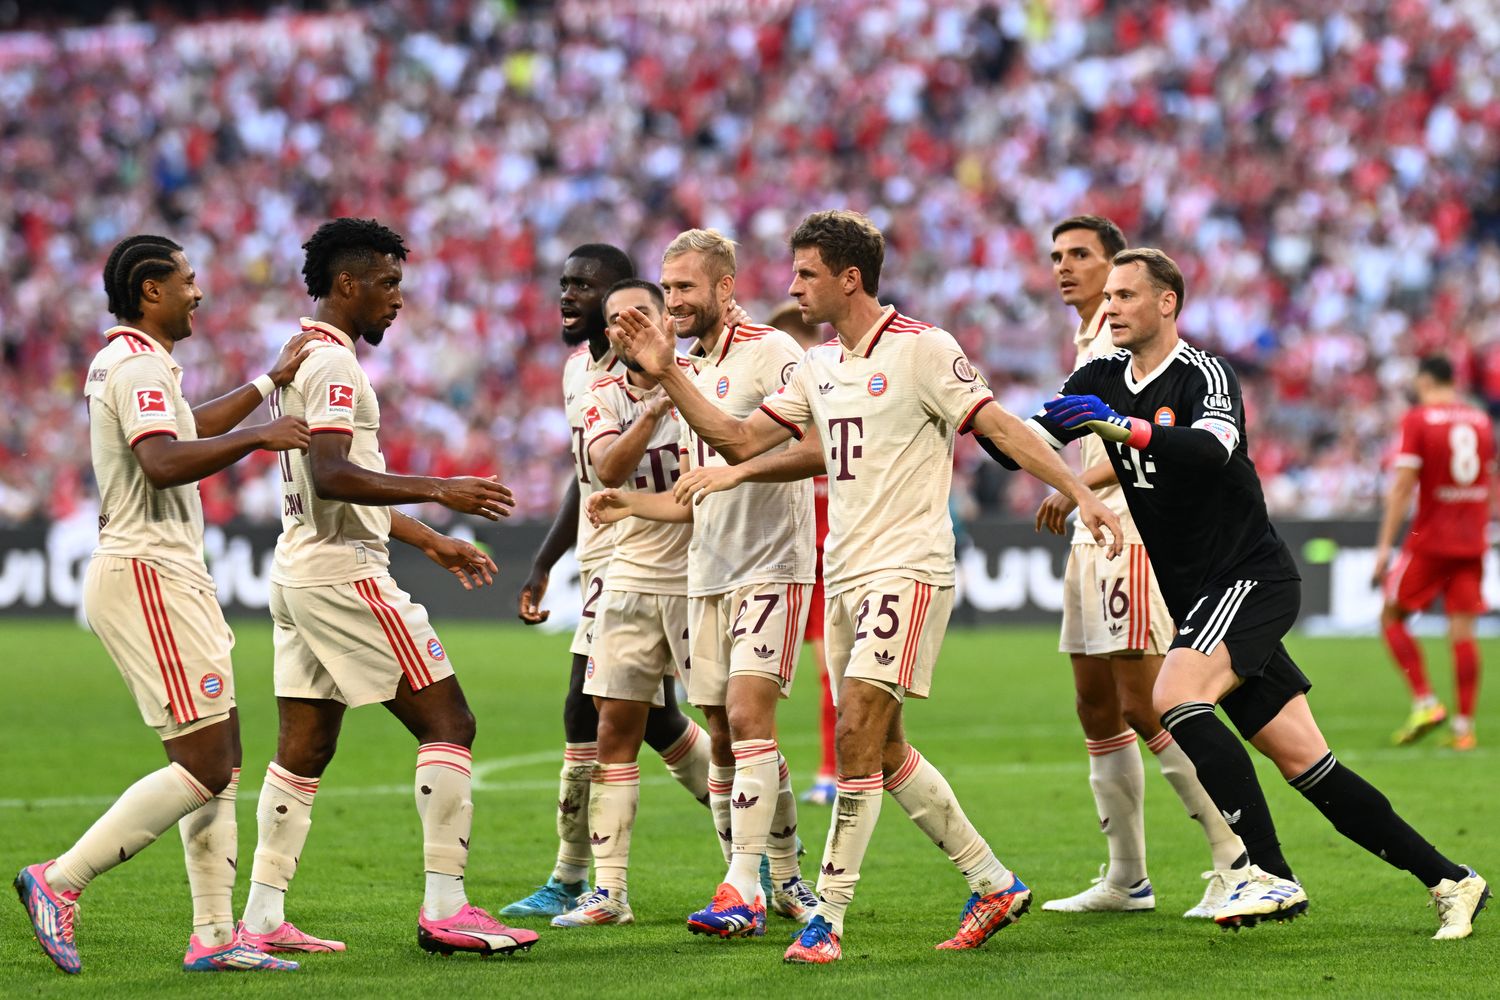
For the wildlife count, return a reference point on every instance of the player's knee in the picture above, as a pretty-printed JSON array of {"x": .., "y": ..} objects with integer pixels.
[
  {"x": 213, "y": 773},
  {"x": 749, "y": 722},
  {"x": 1391, "y": 614}
]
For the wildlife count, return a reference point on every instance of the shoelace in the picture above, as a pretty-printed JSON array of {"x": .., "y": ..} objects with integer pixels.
[
  {"x": 722, "y": 898},
  {"x": 814, "y": 934}
]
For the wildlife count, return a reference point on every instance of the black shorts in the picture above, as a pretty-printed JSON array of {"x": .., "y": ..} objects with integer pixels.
[{"x": 1249, "y": 617}]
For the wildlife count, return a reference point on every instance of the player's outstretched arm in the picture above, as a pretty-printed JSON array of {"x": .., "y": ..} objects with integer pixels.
[
  {"x": 616, "y": 456},
  {"x": 1053, "y": 512},
  {"x": 1196, "y": 446},
  {"x": 335, "y": 477},
  {"x": 218, "y": 416},
  {"x": 802, "y": 460},
  {"x": 1397, "y": 503},
  {"x": 653, "y": 349},
  {"x": 169, "y": 462},
  {"x": 472, "y": 567},
  {"x": 560, "y": 538},
  {"x": 609, "y": 506},
  {"x": 1032, "y": 454}
]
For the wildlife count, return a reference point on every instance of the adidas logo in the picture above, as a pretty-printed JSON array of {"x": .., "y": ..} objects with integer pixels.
[
  {"x": 596, "y": 840},
  {"x": 884, "y": 658},
  {"x": 567, "y": 807},
  {"x": 1116, "y": 628},
  {"x": 764, "y": 652},
  {"x": 828, "y": 869},
  {"x": 786, "y": 834},
  {"x": 724, "y": 836},
  {"x": 744, "y": 803},
  {"x": 1230, "y": 817},
  {"x": 1186, "y": 630},
  {"x": 826, "y": 388},
  {"x": 1104, "y": 825}
]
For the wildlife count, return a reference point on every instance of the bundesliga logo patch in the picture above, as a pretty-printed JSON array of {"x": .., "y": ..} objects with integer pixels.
[
  {"x": 435, "y": 648},
  {"x": 723, "y": 387},
  {"x": 212, "y": 685},
  {"x": 340, "y": 397},
  {"x": 591, "y": 416},
  {"x": 151, "y": 401},
  {"x": 877, "y": 384}
]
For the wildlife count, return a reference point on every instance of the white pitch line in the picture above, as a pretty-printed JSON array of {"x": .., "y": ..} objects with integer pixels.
[{"x": 1391, "y": 755}]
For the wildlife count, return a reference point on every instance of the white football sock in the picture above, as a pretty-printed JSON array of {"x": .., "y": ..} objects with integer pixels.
[
  {"x": 147, "y": 810},
  {"x": 210, "y": 845},
  {"x": 687, "y": 761},
  {"x": 856, "y": 810},
  {"x": 720, "y": 782},
  {"x": 781, "y": 846},
  {"x": 577, "y": 778},
  {"x": 928, "y": 799},
  {"x": 752, "y": 803},
  {"x": 283, "y": 816},
  {"x": 446, "y": 806},
  {"x": 1223, "y": 843},
  {"x": 612, "y": 806},
  {"x": 1118, "y": 779}
]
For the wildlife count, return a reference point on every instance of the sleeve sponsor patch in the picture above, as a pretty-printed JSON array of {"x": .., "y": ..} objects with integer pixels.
[
  {"x": 1224, "y": 430},
  {"x": 341, "y": 397},
  {"x": 963, "y": 370},
  {"x": 150, "y": 402},
  {"x": 1217, "y": 401},
  {"x": 786, "y": 371}
]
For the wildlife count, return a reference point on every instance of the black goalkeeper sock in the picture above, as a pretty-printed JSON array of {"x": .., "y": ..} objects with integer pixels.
[
  {"x": 1359, "y": 811},
  {"x": 1226, "y": 773}
]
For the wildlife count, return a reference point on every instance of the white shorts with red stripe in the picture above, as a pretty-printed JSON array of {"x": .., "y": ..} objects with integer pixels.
[
  {"x": 888, "y": 631},
  {"x": 353, "y": 642},
  {"x": 1113, "y": 606},
  {"x": 169, "y": 639},
  {"x": 756, "y": 629}
]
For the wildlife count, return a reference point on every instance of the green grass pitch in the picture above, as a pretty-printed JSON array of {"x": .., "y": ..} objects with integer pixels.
[{"x": 1000, "y": 725}]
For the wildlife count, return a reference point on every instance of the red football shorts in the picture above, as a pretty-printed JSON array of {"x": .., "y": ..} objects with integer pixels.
[{"x": 1417, "y": 579}]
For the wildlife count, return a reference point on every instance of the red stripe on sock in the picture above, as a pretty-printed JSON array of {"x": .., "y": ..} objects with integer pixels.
[{"x": 908, "y": 767}]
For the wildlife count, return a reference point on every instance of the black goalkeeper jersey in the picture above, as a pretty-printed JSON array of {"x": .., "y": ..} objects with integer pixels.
[{"x": 1203, "y": 519}]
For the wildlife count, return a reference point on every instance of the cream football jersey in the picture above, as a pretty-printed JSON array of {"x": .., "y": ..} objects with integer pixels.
[
  {"x": 886, "y": 412},
  {"x": 327, "y": 541},
  {"x": 582, "y": 370},
  {"x": 758, "y": 532},
  {"x": 649, "y": 557},
  {"x": 134, "y": 390},
  {"x": 1094, "y": 340}
]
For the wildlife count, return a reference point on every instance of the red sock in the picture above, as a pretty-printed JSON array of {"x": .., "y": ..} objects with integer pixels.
[
  {"x": 1408, "y": 658},
  {"x": 829, "y": 720},
  {"x": 1466, "y": 675}
]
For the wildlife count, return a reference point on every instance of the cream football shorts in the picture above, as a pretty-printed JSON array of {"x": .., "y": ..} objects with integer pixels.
[
  {"x": 639, "y": 641},
  {"x": 591, "y": 579},
  {"x": 353, "y": 642},
  {"x": 1113, "y": 606},
  {"x": 169, "y": 639},
  {"x": 756, "y": 629},
  {"x": 887, "y": 631}
]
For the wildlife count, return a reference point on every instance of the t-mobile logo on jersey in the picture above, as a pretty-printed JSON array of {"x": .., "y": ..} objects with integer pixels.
[{"x": 846, "y": 431}]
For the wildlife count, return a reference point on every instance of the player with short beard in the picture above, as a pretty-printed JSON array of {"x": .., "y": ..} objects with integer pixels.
[
  {"x": 587, "y": 274},
  {"x": 345, "y": 634},
  {"x": 150, "y": 600}
]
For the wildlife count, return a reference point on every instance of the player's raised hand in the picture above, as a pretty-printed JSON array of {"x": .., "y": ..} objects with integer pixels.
[
  {"x": 473, "y": 495},
  {"x": 293, "y": 353},
  {"x": 285, "y": 434},
  {"x": 736, "y": 315},
  {"x": 472, "y": 567},
  {"x": 648, "y": 344},
  {"x": 695, "y": 484},
  {"x": 529, "y": 601},
  {"x": 1053, "y": 513},
  {"x": 1096, "y": 517},
  {"x": 607, "y": 507}
]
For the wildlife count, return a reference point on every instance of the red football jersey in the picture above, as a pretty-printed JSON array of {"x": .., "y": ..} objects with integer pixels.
[{"x": 1452, "y": 445}]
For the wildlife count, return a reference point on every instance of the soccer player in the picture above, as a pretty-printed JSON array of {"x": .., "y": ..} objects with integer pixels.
[
  {"x": 788, "y": 317},
  {"x": 1446, "y": 457},
  {"x": 345, "y": 634},
  {"x": 150, "y": 600},
  {"x": 640, "y": 636},
  {"x": 749, "y": 576},
  {"x": 587, "y": 274},
  {"x": 886, "y": 398},
  {"x": 1175, "y": 423},
  {"x": 1115, "y": 629}
]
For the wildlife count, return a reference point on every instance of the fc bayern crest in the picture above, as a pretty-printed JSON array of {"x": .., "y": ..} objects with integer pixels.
[
  {"x": 435, "y": 649},
  {"x": 590, "y": 671},
  {"x": 1164, "y": 417},
  {"x": 212, "y": 685},
  {"x": 878, "y": 384},
  {"x": 723, "y": 387}
]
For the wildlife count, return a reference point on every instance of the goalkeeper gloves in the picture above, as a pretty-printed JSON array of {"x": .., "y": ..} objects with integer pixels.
[{"x": 1073, "y": 412}]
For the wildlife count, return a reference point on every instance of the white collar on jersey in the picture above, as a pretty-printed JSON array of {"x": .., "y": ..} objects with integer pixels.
[{"x": 1166, "y": 362}]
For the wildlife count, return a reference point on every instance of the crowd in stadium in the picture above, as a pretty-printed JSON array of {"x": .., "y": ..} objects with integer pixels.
[{"x": 1329, "y": 178}]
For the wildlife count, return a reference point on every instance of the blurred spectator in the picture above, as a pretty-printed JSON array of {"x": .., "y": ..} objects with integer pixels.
[{"x": 1326, "y": 175}]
